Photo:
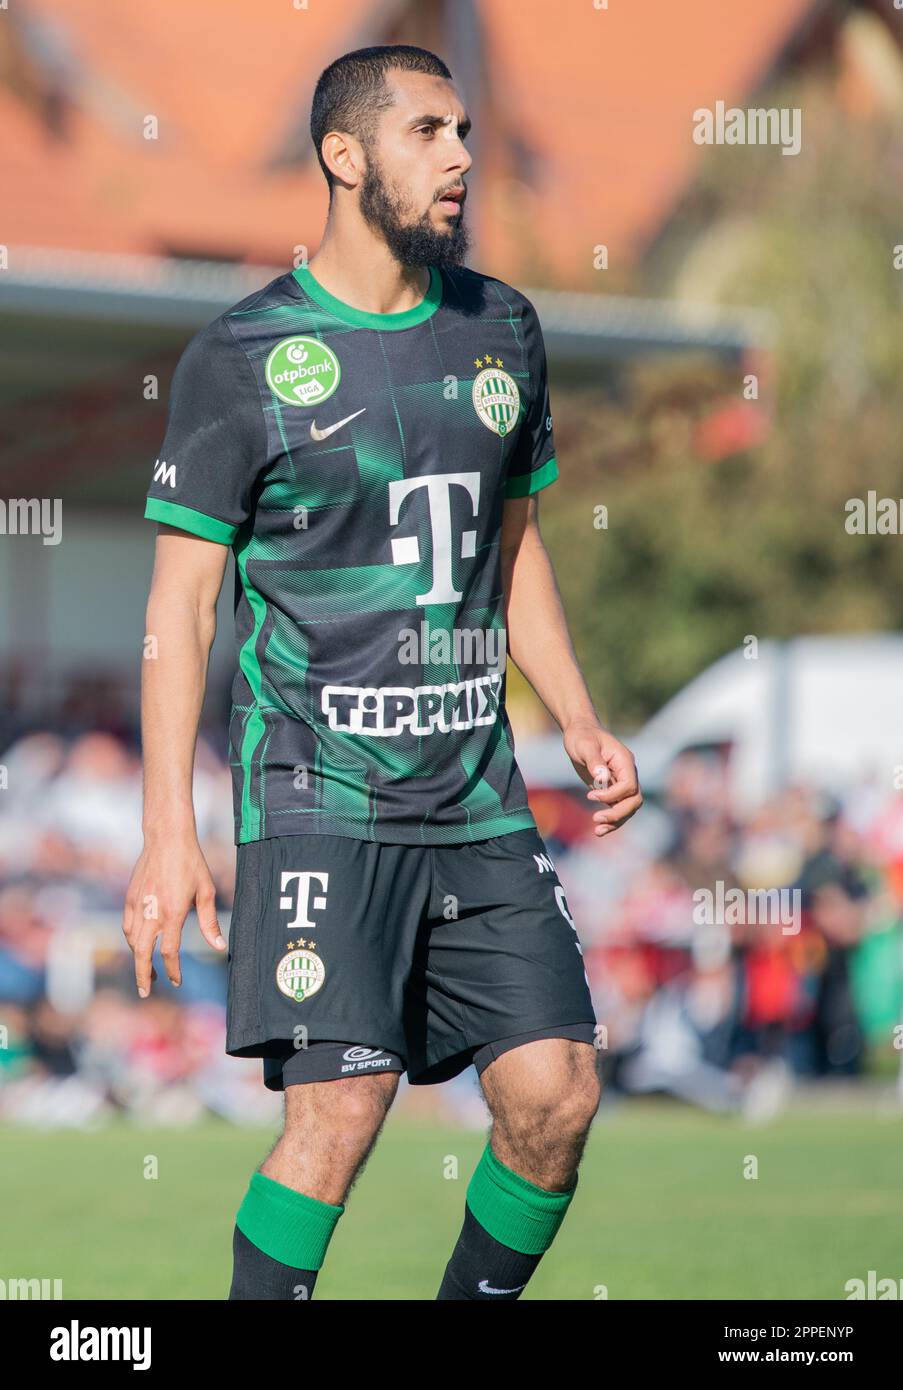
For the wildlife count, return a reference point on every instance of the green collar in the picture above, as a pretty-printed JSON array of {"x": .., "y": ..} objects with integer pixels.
[{"x": 360, "y": 317}]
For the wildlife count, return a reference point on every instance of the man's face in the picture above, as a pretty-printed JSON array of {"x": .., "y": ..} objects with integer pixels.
[{"x": 413, "y": 188}]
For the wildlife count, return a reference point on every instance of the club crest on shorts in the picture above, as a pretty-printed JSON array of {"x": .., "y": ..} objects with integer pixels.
[
  {"x": 300, "y": 974},
  {"x": 496, "y": 398}
]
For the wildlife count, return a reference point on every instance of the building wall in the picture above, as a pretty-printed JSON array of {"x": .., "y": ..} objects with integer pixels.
[{"x": 78, "y": 606}]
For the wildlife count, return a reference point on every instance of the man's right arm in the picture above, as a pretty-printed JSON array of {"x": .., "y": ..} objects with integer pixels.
[{"x": 171, "y": 875}]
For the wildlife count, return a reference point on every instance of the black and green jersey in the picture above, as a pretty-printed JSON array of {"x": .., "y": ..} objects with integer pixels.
[{"x": 358, "y": 465}]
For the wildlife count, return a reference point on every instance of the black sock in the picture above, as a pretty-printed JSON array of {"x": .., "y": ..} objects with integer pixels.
[
  {"x": 256, "y": 1275},
  {"x": 482, "y": 1268}
]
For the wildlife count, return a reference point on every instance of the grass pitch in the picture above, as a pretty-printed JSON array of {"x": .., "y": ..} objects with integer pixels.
[{"x": 662, "y": 1211}]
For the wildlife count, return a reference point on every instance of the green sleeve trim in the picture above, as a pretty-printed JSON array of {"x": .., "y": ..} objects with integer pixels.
[
  {"x": 523, "y": 484},
  {"x": 287, "y": 1225},
  {"x": 187, "y": 519},
  {"x": 514, "y": 1210}
]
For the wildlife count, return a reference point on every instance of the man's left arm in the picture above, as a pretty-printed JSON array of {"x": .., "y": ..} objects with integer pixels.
[{"x": 540, "y": 645}]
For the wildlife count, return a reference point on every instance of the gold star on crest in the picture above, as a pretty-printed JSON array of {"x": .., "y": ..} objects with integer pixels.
[
  {"x": 478, "y": 361},
  {"x": 498, "y": 361}
]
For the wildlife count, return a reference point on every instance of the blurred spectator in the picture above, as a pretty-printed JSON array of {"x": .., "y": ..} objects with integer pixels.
[{"x": 722, "y": 1010}]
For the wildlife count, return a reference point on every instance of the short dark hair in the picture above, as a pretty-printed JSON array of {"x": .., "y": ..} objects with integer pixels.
[{"x": 352, "y": 91}]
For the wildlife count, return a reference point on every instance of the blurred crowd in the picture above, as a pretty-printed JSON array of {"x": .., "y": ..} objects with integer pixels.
[
  {"x": 695, "y": 997},
  {"x": 734, "y": 957}
]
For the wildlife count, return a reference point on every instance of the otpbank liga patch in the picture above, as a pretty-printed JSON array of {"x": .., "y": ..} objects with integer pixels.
[{"x": 302, "y": 371}]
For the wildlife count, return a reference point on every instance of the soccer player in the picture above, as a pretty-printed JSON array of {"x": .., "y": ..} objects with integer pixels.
[{"x": 368, "y": 433}]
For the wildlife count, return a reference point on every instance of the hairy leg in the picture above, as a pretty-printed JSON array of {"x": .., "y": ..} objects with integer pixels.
[
  {"x": 542, "y": 1097},
  {"x": 330, "y": 1129},
  {"x": 288, "y": 1216}
]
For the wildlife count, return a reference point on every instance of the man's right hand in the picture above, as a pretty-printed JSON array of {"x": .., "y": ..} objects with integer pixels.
[{"x": 170, "y": 878}]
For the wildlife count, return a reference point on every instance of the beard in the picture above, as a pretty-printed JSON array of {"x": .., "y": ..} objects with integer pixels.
[{"x": 411, "y": 243}]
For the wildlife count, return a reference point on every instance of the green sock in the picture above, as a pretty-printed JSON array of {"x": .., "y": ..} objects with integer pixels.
[
  {"x": 514, "y": 1210},
  {"x": 509, "y": 1223},
  {"x": 288, "y": 1226}
]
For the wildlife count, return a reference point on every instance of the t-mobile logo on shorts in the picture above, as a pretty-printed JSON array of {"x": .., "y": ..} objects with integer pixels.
[{"x": 300, "y": 900}]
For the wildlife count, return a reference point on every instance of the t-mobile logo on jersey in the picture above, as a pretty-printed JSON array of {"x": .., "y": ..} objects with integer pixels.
[
  {"x": 301, "y": 900},
  {"x": 406, "y": 549}
]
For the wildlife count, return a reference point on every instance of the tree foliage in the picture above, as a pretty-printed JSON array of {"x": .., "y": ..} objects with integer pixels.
[{"x": 698, "y": 553}]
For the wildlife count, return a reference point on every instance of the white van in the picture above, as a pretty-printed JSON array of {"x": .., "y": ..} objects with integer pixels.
[{"x": 824, "y": 710}]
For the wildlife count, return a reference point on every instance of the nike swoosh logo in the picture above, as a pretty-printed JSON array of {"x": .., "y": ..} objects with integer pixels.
[
  {"x": 317, "y": 435},
  {"x": 483, "y": 1286}
]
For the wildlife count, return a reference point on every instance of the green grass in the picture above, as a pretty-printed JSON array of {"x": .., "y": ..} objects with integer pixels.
[{"x": 662, "y": 1209}]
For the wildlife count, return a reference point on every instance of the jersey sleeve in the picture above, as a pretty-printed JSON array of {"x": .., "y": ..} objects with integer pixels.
[
  {"x": 215, "y": 443},
  {"x": 533, "y": 464}
]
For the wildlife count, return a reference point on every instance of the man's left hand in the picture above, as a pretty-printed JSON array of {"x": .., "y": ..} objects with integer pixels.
[{"x": 608, "y": 768}]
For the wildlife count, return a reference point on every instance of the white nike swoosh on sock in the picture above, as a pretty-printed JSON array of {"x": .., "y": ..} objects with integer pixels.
[
  {"x": 317, "y": 435},
  {"x": 483, "y": 1286}
]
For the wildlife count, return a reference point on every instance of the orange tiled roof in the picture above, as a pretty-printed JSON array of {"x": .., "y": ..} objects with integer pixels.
[
  {"x": 607, "y": 96},
  {"x": 603, "y": 98}
]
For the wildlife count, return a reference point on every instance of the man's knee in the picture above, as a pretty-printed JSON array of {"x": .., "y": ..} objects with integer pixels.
[
  {"x": 582, "y": 1100},
  {"x": 552, "y": 1088},
  {"x": 566, "y": 1104}
]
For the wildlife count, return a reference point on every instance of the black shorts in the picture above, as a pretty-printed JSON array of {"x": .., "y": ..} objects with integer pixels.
[{"x": 350, "y": 957}]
